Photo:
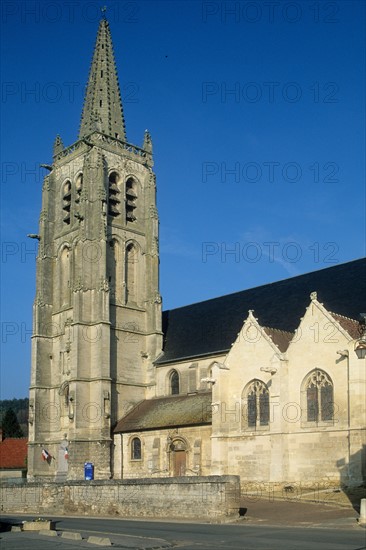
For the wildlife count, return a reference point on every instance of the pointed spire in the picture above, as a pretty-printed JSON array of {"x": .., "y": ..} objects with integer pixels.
[
  {"x": 102, "y": 105},
  {"x": 58, "y": 146},
  {"x": 147, "y": 145}
]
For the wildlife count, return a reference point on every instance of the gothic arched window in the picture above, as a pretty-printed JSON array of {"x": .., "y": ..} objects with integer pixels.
[
  {"x": 78, "y": 187},
  {"x": 65, "y": 273},
  {"x": 136, "y": 448},
  {"x": 131, "y": 273},
  {"x": 319, "y": 397},
  {"x": 131, "y": 198},
  {"x": 255, "y": 403},
  {"x": 174, "y": 382},
  {"x": 114, "y": 271},
  {"x": 114, "y": 203},
  {"x": 66, "y": 202}
]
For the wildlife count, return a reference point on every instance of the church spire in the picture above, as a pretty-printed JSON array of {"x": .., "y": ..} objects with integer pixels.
[{"x": 102, "y": 105}]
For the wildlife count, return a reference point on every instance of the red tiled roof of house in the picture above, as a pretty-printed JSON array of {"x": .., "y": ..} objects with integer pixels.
[{"x": 13, "y": 452}]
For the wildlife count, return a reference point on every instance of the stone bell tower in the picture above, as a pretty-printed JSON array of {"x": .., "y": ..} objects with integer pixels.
[{"x": 97, "y": 311}]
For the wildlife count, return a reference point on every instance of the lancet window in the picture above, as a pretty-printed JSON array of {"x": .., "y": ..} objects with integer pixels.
[
  {"x": 131, "y": 200},
  {"x": 114, "y": 201},
  {"x": 319, "y": 397},
  {"x": 255, "y": 402}
]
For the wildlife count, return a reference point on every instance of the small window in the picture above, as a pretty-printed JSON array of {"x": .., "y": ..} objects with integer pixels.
[
  {"x": 136, "y": 448},
  {"x": 174, "y": 383}
]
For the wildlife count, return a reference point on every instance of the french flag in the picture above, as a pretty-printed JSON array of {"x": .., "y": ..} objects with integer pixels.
[
  {"x": 66, "y": 453},
  {"x": 45, "y": 454}
]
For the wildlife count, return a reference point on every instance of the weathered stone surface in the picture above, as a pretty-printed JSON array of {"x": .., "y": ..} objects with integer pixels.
[
  {"x": 71, "y": 535},
  {"x": 185, "y": 497},
  {"x": 36, "y": 526}
]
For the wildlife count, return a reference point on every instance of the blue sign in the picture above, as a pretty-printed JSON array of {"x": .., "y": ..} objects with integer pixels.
[{"x": 88, "y": 471}]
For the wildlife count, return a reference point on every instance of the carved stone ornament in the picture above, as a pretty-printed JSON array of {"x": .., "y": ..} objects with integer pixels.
[
  {"x": 78, "y": 285},
  {"x": 46, "y": 184},
  {"x": 153, "y": 212},
  {"x": 155, "y": 247},
  {"x": 43, "y": 216},
  {"x": 104, "y": 285},
  {"x": 39, "y": 301},
  {"x": 102, "y": 195}
]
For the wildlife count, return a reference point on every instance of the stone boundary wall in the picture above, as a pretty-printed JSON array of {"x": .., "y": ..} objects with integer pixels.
[{"x": 183, "y": 497}]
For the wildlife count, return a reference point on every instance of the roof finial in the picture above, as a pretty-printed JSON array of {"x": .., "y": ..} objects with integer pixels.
[{"x": 103, "y": 10}]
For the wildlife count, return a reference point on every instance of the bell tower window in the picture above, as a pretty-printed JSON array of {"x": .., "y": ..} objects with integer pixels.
[
  {"x": 78, "y": 187},
  {"x": 131, "y": 198},
  {"x": 66, "y": 202},
  {"x": 114, "y": 203}
]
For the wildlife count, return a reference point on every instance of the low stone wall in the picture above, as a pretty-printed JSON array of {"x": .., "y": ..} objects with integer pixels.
[{"x": 183, "y": 497}]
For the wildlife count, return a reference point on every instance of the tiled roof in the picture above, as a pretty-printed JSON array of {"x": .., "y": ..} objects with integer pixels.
[
  {"x": 349, "y": 325},
  {"x": 13, "y": 452},
  {"x": 209, "y": 327},
  {"x": 168, "y": 412},
  {"x": 279, "y": 337}
]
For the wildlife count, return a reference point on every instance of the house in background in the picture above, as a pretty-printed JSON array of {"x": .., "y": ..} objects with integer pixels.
[{"x": 13, "y": 457}]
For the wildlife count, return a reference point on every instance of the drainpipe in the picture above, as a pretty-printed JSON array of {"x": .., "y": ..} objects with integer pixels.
[{"x": 345, "y": 354}]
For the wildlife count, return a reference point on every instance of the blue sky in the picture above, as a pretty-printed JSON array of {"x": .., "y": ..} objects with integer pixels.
[{"x": 257, "y": 114}]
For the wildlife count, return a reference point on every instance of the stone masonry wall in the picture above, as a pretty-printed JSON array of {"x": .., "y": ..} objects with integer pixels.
[{"x": 183, "y": 497}]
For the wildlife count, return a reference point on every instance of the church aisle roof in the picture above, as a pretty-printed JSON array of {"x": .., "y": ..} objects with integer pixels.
[
  {"x": 168, "y": 412},
  {"x": 211, "y": 326}
]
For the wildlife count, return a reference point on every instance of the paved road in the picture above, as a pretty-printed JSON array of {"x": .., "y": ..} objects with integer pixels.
[{"x": 335, "y": 534}]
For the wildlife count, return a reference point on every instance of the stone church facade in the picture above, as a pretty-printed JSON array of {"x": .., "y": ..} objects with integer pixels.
[{"x": 268, "y": 383}]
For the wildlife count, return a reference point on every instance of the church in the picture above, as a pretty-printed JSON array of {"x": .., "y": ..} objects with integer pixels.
[{"x": 267, "y": 383}]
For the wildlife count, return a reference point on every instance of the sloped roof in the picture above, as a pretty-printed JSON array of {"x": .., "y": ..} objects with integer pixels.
[
  {"x": 13, "y": 452},
  {"x": 349, "y": 325},
  {"x": 280, "y": 338},
  {"x": 211, "y": 326},
  {"x": 168, "y": 412}
]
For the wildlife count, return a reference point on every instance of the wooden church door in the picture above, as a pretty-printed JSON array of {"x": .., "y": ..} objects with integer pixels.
[{"x": 179, "y": 463}]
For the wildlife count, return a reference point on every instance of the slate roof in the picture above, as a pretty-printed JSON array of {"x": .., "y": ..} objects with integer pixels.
[
  {"x": 168, "y": 412},
  {"x": 211, "y": 326},
  {"x": 13, "y": 453}
]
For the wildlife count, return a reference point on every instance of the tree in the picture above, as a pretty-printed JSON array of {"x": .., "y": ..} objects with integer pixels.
[{"x": 10, "y": 425}]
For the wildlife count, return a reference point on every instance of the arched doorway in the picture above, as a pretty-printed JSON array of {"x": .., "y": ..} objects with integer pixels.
[{"x": 178, "y": 449}]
